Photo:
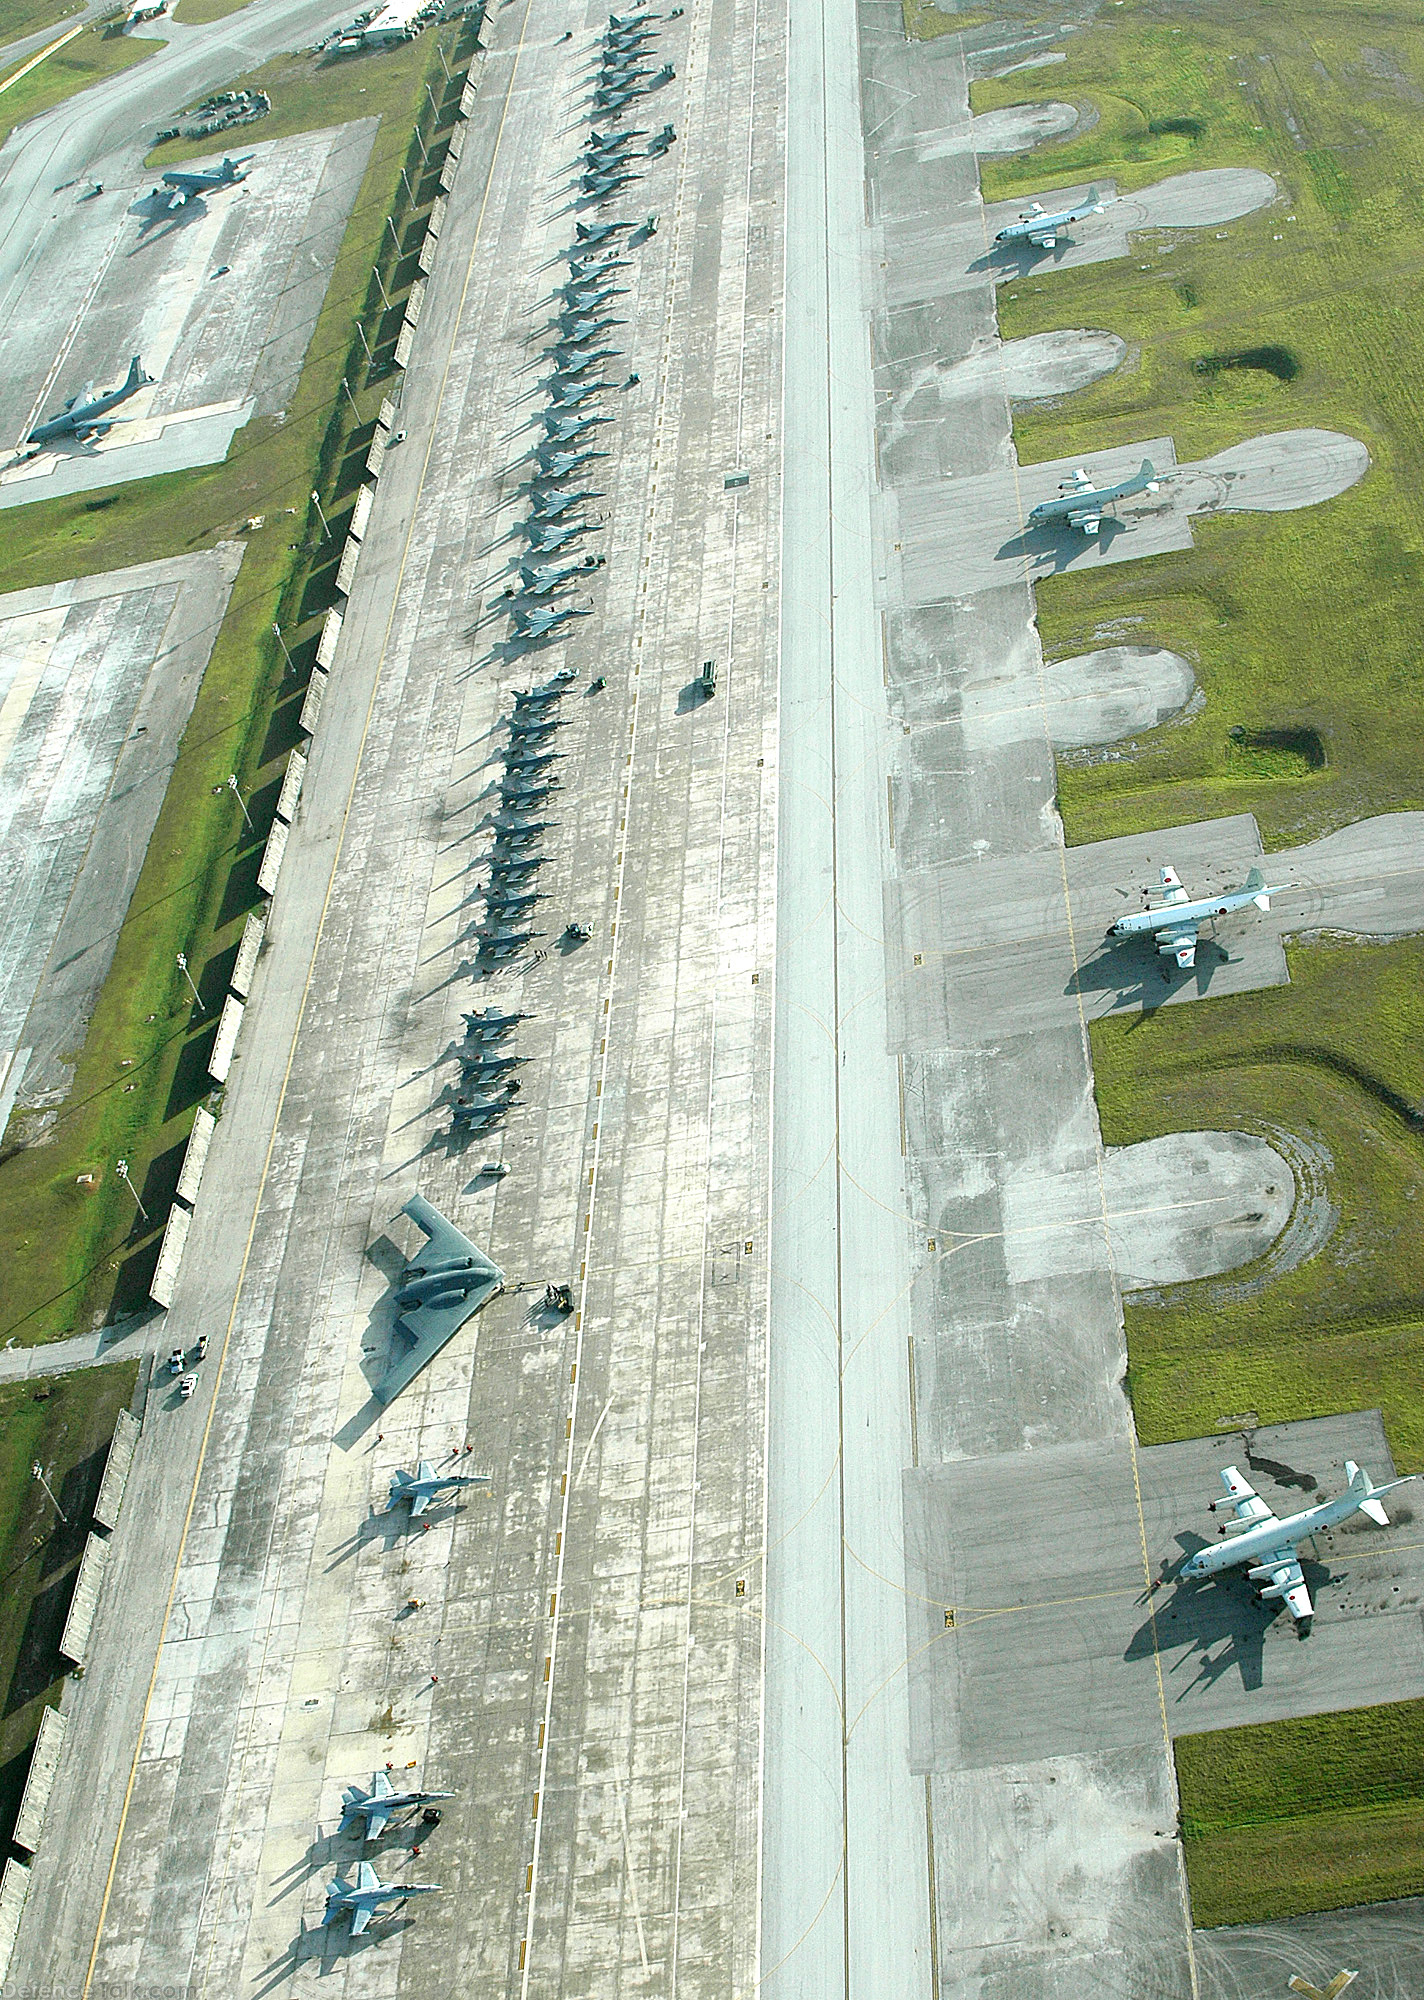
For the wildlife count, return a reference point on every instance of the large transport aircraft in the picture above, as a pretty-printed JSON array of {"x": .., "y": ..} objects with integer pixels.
[
  {"x": 1268, "y": 1545},
  {"x": 1174, "y": 923},
  {"x": 83, "y": 416},
  {"x": 1082, "y": 505}
]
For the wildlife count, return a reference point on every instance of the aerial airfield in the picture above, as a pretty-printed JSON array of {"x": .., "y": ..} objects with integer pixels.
[{"x": 696, "y": 1303}]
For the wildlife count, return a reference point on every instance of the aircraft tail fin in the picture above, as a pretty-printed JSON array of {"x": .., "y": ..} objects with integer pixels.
[
  {"x": 136, "y": 379},
  {"x": 1256, "y": 884},
  {"x": 1364, "y": 1491}
]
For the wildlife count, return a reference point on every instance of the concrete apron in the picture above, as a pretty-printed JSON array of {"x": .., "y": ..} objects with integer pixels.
[{"x": 1042, "y": 1863}]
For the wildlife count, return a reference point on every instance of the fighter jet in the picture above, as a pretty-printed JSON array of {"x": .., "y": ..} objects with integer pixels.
[
  {"x": 591, "y": 234},
  {"x": 563, "y": 426},
  {"x": 571, "y": 362},
  {"x": 549, "y": 506},
  {"x": 577, "y": 326},
  {"x": 559, "y": 464},
  {"x": 543, "y": 582},
  {"x": 1081, "y": 504},
  {"x": 184, "y": 184},
  {"x": 568, "y": 395},
  {"x": 425, "y": 1484},
  {"x": 1174, "y": 922},
  {"x": 545, "y": 619},
  {"x": 1043, "y": 230},
  {"x": 82, "y": 416},
  {"x": 364, "y": 1897},
  {"x": 536, "y": 760},
  {"x": 1269, "y": 1545},
  {"x": 489, "y": 1021},
  {"x": 602, "y": 187},
  {"x": 375, "y": 1807}
]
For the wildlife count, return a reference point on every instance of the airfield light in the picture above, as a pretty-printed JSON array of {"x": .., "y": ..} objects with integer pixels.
[
  {"x": 37, "y": 1471},
  {"x": 232, "y": 787},
  {"x": 183, "y": 968},
  {"x": 121, "y": 1167}
]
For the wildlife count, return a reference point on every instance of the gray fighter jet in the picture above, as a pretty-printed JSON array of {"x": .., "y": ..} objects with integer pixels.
[
  {"x": 568, "y": 395},
  {"x": 563, "y": 427},
  {"x": 425, "y": 1484},
  {"x": 375, "y": 1807},
  {"x": 552, "y": 540},
  {"x": 545, "y": 619},
  {"x": 591, "y": 234},
  {"x": 537, "y": 581},
  {"x": 364, "y": 1897},
  {"x": 549, "y": 506},
  {"x": 184, "y": 184},
  {"x": 559, "y": 464},
  {"x": 83, "y": 416},
  {"x": 602, "y": 187},
  {"x": 577, "y": 326},
  {"x": 1036, "y": 226},
  {"x": 1268, "y": 1545},
  {"x": 1082, "y": 505},
  {"x": 572, "y": 362},
  {"x": 489, "y": 1021}
]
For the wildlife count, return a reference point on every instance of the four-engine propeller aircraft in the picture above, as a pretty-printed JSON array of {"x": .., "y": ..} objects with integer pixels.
[
  {"x": 364, "y": 1897},
  {"x": 1268, "y": 1545},
  {"x": 83, "y": 416},
  {"x": 184, "y": 184},
  {"x": 1036, "y": 226},
  {"x": 375, "y": 1807},
  {"x": 1175, "y": 920},
  {"x": 1081, "y": 504},
  {"x": 426, "y": 1484}
]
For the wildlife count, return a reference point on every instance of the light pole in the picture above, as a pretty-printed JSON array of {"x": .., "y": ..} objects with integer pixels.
[
  {"x": 277, "y": 630},
  {"x": 232, "y": 787},
  {"x": 183, "y": 968},
  {"x": 385, "y": 296},
  {"x": 361, "y": 331},
  {"x": 355, "y": 408},
  {"x": 37, "y": 1472},
  {"x": 122, "y": 1169},
  {"x": 316, "y": 502}
]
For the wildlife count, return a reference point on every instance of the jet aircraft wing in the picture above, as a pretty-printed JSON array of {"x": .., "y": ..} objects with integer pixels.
[
  {"x": 1279, "y": 1576},
  {"x": 360, "y": 1917},
  {"x": 1182, "y": 940}
]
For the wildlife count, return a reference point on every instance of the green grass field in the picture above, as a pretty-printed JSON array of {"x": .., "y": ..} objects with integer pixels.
[
  {"x": 194, "y": 12},
  {"x": 72, "y": 1256},
  {"x": 1266, "y": 1832},
  {"x": 1303, "y": 632},
  {"x": 65, "y": 1427},
  {"x": 1301, "y": 620}
]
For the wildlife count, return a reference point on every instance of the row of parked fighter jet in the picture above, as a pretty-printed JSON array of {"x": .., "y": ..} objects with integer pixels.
[
  {"x": 576, "y": 337},
  {"x": 489, "y": 1081}
]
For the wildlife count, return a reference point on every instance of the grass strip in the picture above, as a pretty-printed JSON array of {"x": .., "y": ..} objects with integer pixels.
[
  {"x": 1328, "y": 1069},
  {"x": 65, "y": 1427},
  {"x": 72, "y": 1254},
  {"x": 1318, "y": 1812}
]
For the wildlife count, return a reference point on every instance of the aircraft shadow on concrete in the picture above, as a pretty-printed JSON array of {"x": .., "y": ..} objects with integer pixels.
[
  {"x": 1008, "y": 261},
  {"x": 1133, "y": 969},
  {"x": 1218, "y": 1623},
  {"x": 1053, "y": 549},
  {"x": 159, "y": 220},
  {"x": 331, "y": 1943}
]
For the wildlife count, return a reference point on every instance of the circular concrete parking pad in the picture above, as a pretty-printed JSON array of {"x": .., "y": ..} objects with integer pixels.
[
  {"x": 1192, "y": 201},
  {"x": 1019, "y": 126},
  {"x": 1103, "y": 696},
  {"x": 1093, "y": 698},
  {"x": 1045, "y": 364},
  {"x": 1273, "y": 474},
  {"x": 1193, "y": 1204}
]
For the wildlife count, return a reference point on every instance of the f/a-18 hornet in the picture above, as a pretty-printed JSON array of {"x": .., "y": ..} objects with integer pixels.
[
  {"x": 425, "y": 1484},
  {"x": 185, "y": 184},
  {"x": 1036, "y": 226},
  {"x": 1268, "y": 1546},
  {"x": 1081, "y": 504},
  {"x": 1174, "y": 923},
  {"x": 83, "y": 416},
  {"x": 375, "y": 1807},
  {"x": 364, "y": 1897}
]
